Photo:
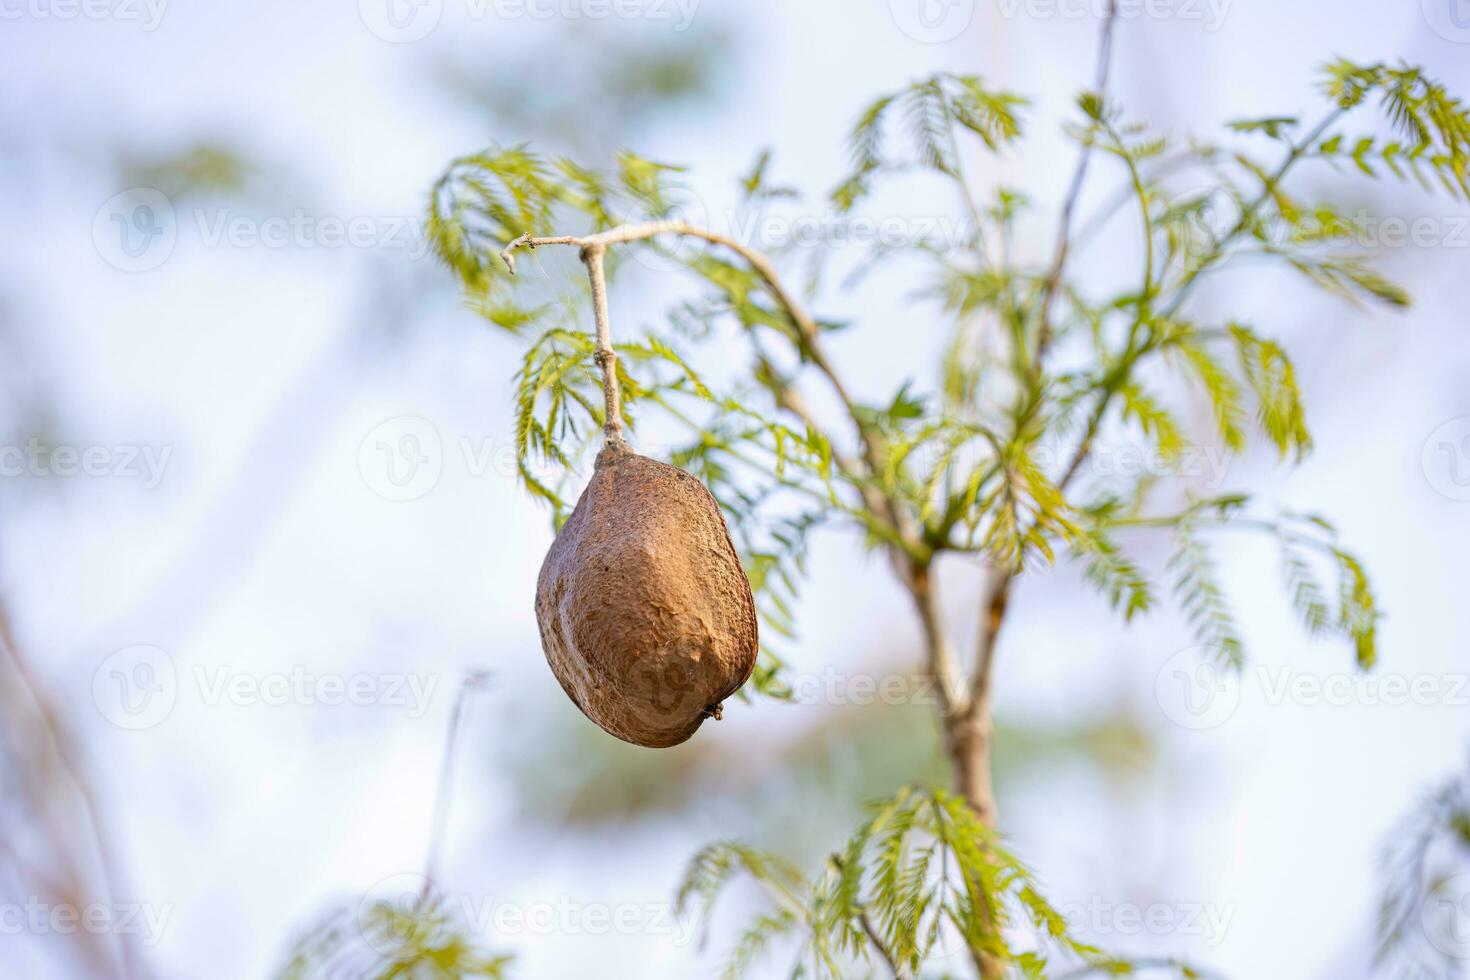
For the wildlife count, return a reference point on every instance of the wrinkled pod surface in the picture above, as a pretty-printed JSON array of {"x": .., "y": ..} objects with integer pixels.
[{"x": 646, "y": 615}]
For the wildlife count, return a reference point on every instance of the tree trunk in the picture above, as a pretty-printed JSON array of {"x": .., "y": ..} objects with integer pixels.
[
  {"x": 968, "y": 733},
  {"x": 969, "y": 738}
]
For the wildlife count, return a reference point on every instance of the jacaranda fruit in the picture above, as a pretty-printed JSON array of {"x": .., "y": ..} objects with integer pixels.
[{"x": 646, "y": 616}]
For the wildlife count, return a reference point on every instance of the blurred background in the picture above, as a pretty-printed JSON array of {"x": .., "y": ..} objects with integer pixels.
[{"x": 259, "y": 518}]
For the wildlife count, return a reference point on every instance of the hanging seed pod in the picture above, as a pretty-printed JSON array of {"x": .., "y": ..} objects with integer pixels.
[{"x": 646, "y": 615}]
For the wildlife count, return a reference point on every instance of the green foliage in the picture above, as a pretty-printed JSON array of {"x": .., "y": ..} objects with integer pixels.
[
  {"x": 414, "y": 940},
  {"x": 960, "y": 469},
  {"x": 1276, "y": 127},
  {"x": 934, "y": 110},
  {"x": 1306, "y": 542},
  {"x": 1433, "y": 126},
  {"x": 1273, "y": 380},
  {"x": 635, "y": 80},
  {"x": 755, "y": 185},
  {"x": 1427, "y": 852},
  {"x": 1117, "y": 577},
  {"x": 919, "y": 880},
  {"x": 485, "y": 200},
  {"x": 200, "y": 169},
  {"x": 1223, "y": 389},
  {"x": 1201, "y": 597},
  {"x": 963, "y": 462},
  {"x": 1355, "y": 616}
]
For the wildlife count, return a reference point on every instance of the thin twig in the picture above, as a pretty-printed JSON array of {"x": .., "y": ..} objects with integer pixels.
[
  {"x": 790, "y": 399},
  {"x": 942, "y": 663},
  {"x": 1074, "y": 192},
  {"x": 975, "y": 702},
  {"x": 998, "y": 592},
  {"x": 991, "y": 619},
  {"x": 809, "y": 341},
  {"x": 60, "y": 748},
  {"x": 870, "y": 929},
  {"x": 594, "y": 248},
  {"x": 1094, "y": 423},
  {"x": 444, "y": 793},
  {"x": 607, "y": 358},
  {"x": 652, "y": 229},
  {"x": 1268, "y": 189}
]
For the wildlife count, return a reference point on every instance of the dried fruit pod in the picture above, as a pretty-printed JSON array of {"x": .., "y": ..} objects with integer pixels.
[{"x": 646, "y": 615}]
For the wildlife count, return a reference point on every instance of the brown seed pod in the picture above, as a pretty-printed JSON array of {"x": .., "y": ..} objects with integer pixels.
[{"x": 646, "y": 616}]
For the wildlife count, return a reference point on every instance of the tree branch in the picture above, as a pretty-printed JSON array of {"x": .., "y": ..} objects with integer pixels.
[
  {"x": 1120, "y": 374},
  {"x": 444, "y": 793},
  {"x": 807, "y": 330},
  {"x": 991, "y": 620},
  {"x": 790, "y": 399},
  {"x": 60, "y": 748},
  {"x": 997, "y": 601},
  {"x": 1074, "y": 193},
  {"x": 871, "y": 930},
  {"x": 939, "y": 657},
  {"x": 805, "y": 325},
  {"x": 607, "y": 358},
  {"x": 1267, "y": 190}
]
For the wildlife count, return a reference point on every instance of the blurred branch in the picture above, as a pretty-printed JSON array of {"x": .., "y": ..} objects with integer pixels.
[
  {"x": 874, "y": 936},
  {"x": 808, "y": 332},
  {"x": 444, "y": 793},
  {"x": 58, "y": 747},
  {"x": 1074, "y": 192}
]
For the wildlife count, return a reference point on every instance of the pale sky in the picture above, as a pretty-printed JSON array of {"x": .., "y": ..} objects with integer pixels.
[{"x": 264, "y": 549}]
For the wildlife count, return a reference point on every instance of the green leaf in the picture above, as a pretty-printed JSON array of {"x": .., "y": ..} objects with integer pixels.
[
  {"x": 1272, "y": 377},
  {"x": 1200, "y": 597},
  {"x": 1226, "y": 397},
  {"x": 1153, "y": 418},
  {"x": 1115, "y": 575}
]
